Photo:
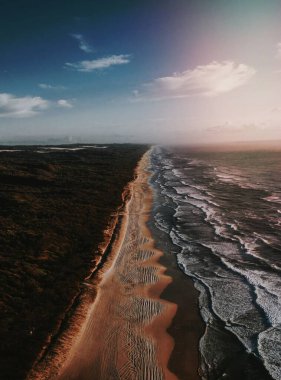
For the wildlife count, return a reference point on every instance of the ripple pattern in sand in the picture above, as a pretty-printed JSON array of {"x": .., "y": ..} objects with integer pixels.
[{"x": 116, "y": 342}]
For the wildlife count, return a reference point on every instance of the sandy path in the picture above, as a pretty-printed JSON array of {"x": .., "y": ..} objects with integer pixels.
[{"x": 124, "y": 336}]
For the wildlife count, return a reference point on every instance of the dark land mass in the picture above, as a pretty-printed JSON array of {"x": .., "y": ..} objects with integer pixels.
[{"x": 54, "y": 207}]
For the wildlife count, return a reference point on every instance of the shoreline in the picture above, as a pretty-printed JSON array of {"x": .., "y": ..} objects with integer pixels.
[
  {"x": 160, "y": 339},
  {"x": 187, "y": 326},
  {"x": 128, "y": 310}
]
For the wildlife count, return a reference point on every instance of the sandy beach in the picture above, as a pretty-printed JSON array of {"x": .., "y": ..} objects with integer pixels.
[
  {"x": 142, "y": 323},
  {"x": 124, "y": 335}
]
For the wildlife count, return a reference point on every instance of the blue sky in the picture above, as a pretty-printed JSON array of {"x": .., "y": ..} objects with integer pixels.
[{"x": 178, "y": 70}]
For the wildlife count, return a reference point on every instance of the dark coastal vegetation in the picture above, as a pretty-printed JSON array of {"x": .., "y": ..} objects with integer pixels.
[{"x": 54, "y": 206}]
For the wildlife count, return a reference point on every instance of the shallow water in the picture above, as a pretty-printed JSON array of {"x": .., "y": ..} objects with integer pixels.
[{"x": 222, "y": 213}]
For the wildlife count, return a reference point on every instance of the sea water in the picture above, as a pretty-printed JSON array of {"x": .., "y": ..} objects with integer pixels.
[{"x": 221, "y": 212}]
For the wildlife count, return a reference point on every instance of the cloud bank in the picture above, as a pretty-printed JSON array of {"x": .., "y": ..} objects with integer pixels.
[
  {"x": 12, "y": 106},
  {"x": 99, "y": 64},
  {"x": 27, "y": 106},
  {"x": 210, "y": 80}
]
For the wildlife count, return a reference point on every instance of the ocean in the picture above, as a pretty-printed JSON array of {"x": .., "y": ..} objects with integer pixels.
[{"x": 219, "y": 213}]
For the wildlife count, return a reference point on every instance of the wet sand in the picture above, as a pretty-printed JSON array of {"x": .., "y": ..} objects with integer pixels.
[{"x": 187, "y": 326}]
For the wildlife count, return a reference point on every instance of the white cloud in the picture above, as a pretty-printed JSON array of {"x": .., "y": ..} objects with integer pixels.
[
  {"x": 12, "y": 106},
  {"x": 64, "y": 103},
  {"x": 83, "y": 44},
  {"x": 205, "y": 80},
  {"x": 46, "y": 86},
  {"x": 278, "y": 54},
  {"x": 101, "y": 63}
]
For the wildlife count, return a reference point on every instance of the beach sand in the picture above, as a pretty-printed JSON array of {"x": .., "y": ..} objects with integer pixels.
[
  {"x": 143, "y": 324},
  {"x": 124, "y": 335}
]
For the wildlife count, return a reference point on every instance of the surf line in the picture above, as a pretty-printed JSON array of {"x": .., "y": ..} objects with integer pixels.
[{"x": 125, "y": 333}]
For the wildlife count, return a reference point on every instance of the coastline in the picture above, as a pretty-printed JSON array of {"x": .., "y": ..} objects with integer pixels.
[
  {"x": 138, "y": 285},
  {"x": 125, "y": 334},
  {"x": 187, "y": 326}
]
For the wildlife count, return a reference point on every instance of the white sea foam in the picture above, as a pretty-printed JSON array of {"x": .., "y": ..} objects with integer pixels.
[
  {"x": 269, "y": 342},
  {"x": 212, "y": 216},
  {"x": 234, "y": 176},
  {"x": 177, "y": 173},
  {"x": 161, "y": 223},
  {"x": 273, "y": 198},
  {"x": 266, "y": 289},
  {"x": 233, "y": 226},
  {"x": 195, "y": 162},
  {"x": 251, "y": 247},
  {"x": 231, "y": 297},
  {"x": 231, "y": 300}
]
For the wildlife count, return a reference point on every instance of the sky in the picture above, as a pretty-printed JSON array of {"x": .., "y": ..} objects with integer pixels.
[{"x": 151, "y": 71}]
